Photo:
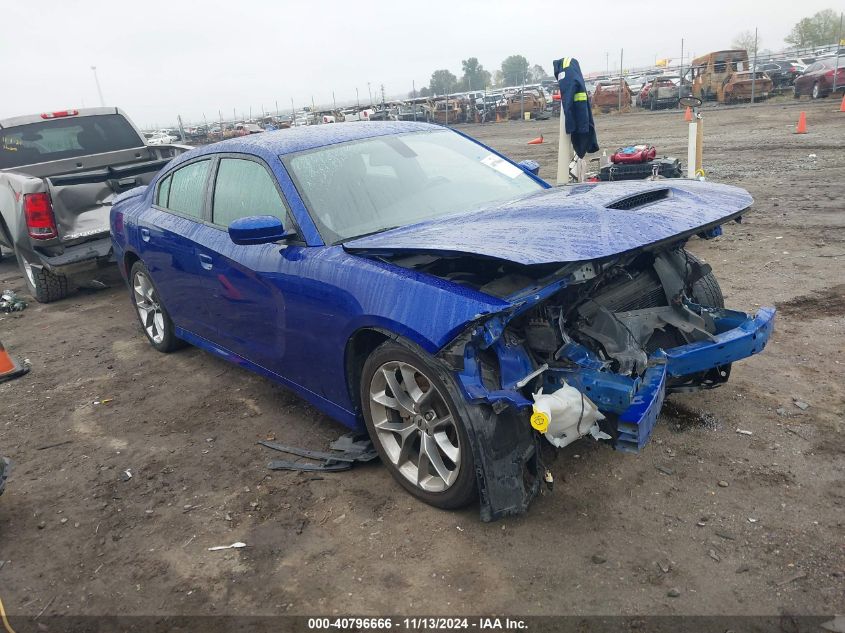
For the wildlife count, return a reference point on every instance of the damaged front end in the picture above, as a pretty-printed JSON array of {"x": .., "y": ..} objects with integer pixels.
[{"x": 591, "y": 348}]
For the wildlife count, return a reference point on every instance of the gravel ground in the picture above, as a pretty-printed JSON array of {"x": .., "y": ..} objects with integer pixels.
[{"x": 732, "y": 523}]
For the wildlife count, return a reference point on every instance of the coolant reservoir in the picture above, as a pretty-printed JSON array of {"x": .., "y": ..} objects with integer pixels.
[{"x": 566, "y": 415}]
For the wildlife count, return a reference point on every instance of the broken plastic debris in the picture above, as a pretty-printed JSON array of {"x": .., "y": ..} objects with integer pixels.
[
  {"x": 9, "y": 302},
  {"x": 217, "y": 548},
  {"x": 801, "y": 405},
  {"x": 744, "y": 432},
  {"x": 570, "y": 415},
  {"x": 750, "y": 520}
]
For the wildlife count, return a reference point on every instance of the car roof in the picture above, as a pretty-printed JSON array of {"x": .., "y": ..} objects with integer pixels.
[{"x": 298, "y": 139}]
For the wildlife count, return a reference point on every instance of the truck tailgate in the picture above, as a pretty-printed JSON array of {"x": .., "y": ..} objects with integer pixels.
[{"x": 82, "y": 200}]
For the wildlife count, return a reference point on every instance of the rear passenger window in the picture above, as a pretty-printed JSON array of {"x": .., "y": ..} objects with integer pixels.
[
  {"x": 163, "y": 192},
  {"x": 244, "y": 188},
  {"x": 187, "y": 189}
]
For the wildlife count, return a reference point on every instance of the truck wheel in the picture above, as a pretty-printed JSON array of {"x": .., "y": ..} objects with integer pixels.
[
  {"x": 416, "y": 427},
  {"x": 41, "y": 283}
]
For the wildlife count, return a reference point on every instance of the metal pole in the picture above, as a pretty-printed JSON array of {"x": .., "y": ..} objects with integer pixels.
[
  {"x": 334, "y": 101},
  {"x": 607, "y": 62},
  {"x": 293, "y": 112},
  {"x": 99, "y": 90},
  {"x": 371, "y": 93},
  {"x": 838, "y": 46},
  {"x": 754, "y": 67},
  {"x": 181, "y": 128},
  {"x": 522, "y": 100},
  {"x": 277, "y": 108},
  {"x": 357, "y": 98},
  {"x": 621, "y": 79},
  {"x": 414, "y": 102},
  {"x": 681, "y": 70},
  {"x": 220, "y": 114},
  {"x": 564, "y": 149}
]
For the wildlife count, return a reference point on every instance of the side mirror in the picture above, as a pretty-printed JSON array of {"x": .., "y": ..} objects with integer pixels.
[
  {"x": 530, "y": 166},
  {"x": 258, "y": 229}
]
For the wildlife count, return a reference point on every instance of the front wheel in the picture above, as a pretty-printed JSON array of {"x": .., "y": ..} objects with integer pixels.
[
  {"x": 416, "y": 427},
  {"x": 154, "y": 318},
  {"x": 43, "y": 285}
]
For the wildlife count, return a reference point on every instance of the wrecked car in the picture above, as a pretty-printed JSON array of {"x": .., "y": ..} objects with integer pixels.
[
  {"x": 741, "y": 86},
  {"x": 410, "y": 281},
  {"x": 59, "y": 172},
  {"x": 611, "y": 95}
]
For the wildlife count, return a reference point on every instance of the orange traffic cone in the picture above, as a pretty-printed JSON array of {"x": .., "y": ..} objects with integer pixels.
[
  {"x": 688, "y": 115},
  {"x": 9, "y": 367},
  {"x": 842, "y": 107},
  {"x": 536, "y": 141},
  {"x": 802, "y": 123}
]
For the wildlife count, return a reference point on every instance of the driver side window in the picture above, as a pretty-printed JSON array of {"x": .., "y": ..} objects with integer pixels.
[{"x": 244, "y": 188}]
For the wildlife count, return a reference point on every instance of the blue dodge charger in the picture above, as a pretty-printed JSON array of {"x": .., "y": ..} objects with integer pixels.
[{"x": 408, "y": 280}]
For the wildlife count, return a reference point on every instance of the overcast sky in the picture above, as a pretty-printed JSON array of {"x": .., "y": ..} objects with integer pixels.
[{"x": 157, "y": 59}]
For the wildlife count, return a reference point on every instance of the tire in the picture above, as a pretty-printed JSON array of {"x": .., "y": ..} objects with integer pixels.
[
  {"x": 152, "y": 315},
  {"x": 796, "y": 94},
  {"x": 425, "y": 416},
  {"x": 43, "y": 285},
  {"x": 816, "y": 93}
]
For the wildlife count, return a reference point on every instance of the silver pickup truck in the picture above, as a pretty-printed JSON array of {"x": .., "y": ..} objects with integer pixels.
[{"x": 59, "y": 172}]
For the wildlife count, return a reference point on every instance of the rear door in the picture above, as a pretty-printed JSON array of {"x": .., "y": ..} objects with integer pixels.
[
  {"x": 245, "y": 286},
  {"x": 168, "y": 232}
]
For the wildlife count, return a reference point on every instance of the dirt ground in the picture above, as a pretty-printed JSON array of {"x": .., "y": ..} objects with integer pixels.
[{"x": 736, "y": 523}]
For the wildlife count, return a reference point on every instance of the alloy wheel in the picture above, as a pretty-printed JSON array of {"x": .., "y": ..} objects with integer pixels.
[
  {"x": 415, "y": 426},
  {"x": 149, "y": 307}
]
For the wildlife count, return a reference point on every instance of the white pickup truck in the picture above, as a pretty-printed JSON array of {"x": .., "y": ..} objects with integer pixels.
[{"x": 59, "y": 173}]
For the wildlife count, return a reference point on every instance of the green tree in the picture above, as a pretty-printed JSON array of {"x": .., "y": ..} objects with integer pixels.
[
  {"x": 514, "y": 70},
  {"x": 745, "y": 40},
  {"x": 498, "y": 79},
  {"x": 819, "y": 29},
  {"x": 475, "y": 77},
  {"x": 443, "y": 82},
  {"x": 537, "y": 74},
  {"x": 425, "y": 91}
]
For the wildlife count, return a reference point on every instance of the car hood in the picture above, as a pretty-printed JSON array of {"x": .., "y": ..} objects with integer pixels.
[{"x": 572, "y": 223}]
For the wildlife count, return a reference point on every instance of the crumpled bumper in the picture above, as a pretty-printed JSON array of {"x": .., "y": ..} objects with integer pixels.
[{"x": 738, "y": 336}]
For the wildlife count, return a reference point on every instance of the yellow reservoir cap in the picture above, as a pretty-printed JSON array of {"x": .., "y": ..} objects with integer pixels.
[{"x": 539, "y": 421}]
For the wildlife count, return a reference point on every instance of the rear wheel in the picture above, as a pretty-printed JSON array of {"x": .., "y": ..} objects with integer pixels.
[
  {"x": 795, "y": 92},
  {"x": 41, "y": 283},
  {"x": 154, "y": 318},
  {"x": 416, "y": 427},
  {"x": 816, "y": 94}
]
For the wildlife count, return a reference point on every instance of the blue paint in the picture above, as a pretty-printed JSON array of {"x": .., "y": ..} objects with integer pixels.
[
  {"x": 287, "y": 309},
  {"x": 570, "y": 224}
]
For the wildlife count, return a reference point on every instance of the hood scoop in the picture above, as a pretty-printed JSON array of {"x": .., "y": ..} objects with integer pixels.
[{"x": 639, "y": 199}]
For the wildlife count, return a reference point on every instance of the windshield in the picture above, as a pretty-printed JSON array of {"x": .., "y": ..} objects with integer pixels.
[
  {"x": 71, "y": 137},
  {"x": 368, "y": 186}
]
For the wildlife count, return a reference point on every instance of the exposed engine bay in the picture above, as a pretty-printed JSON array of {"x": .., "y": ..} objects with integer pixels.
[{"x": 586, "y": 348}]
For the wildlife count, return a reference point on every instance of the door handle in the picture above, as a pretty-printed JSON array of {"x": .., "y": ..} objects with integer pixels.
[
  {"x": 145, "y": 234},
  {"x": 205, "y": 262}
]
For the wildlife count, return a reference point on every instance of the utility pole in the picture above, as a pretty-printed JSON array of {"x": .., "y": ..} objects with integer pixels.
[
  {"x": 607, "y": 62},
  {"x": 357, "y": 99},
  {"x": 838, "y": 47},
  {"x": 754, "y": 67},
  {"x": 99, "y": 90},
  {"x": 621, "y": 79},
  {"x": 522, "y": 102},
  {"x": 371, "y": 93},
  {"x": 414, "y": 102},
  {"x": 681, "y": 68},
  {"x": 334, "y": 102},
  {"x": 293, "y": 112}
]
